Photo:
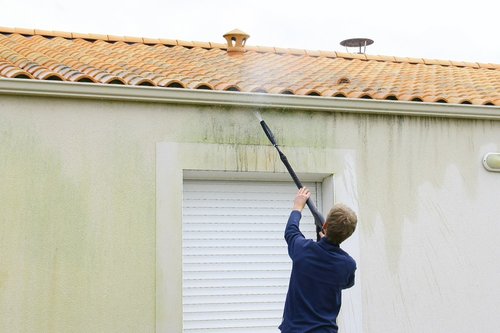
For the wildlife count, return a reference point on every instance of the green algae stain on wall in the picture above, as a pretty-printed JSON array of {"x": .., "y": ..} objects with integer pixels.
[
  {"x": 77, "y": 231},
  {"x": 43, "y": 225}
]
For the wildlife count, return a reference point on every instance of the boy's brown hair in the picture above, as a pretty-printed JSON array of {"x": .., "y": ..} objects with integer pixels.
[{"x": 340, "y": 223}]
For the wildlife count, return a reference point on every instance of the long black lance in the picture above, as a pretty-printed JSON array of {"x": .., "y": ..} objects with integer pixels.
[{"x": 319, "y": 220}]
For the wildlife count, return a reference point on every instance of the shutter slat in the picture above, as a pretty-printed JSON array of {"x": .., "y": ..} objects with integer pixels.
[
  {"x": 249, "y": 258},
  {"x": 243, "y": 290}
]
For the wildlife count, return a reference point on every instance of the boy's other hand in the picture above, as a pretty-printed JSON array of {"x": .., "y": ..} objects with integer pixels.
[{"x": 301, "y": 198}]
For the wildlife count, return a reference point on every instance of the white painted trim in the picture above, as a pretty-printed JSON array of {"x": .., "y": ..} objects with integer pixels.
[
  {"x": 249, "y": 175},
  {"x": 253, "y": 100},
  {"x": 168, "y": 240},
  {"x": 178, "y": 160}
]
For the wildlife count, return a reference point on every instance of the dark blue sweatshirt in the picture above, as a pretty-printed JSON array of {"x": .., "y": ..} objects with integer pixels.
[{"x": 319, "y": 273}]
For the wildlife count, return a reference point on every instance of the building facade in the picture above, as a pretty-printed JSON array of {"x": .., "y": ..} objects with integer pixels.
[{"x": 146, "y": 209}]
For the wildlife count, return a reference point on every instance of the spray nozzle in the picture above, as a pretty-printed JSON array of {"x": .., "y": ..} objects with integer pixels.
[{"x": 257, "y": 114}]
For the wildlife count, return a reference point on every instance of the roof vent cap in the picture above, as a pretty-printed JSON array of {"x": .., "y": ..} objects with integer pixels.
[
  {"x": 357, "y": 42},
  {"x": 236, "y": 40}
]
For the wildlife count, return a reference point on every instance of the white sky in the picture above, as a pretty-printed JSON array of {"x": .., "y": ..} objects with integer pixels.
[{"x": 433, "y": 29}]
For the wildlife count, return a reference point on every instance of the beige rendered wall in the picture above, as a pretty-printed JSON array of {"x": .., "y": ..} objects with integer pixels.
[{"x": 78, "y": 209}]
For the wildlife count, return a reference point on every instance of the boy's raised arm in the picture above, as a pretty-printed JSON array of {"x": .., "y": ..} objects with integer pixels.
[{"x": 292, "y": 231}]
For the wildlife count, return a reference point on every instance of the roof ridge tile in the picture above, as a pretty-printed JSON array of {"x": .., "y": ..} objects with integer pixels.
[
  {"x": 7, "y": 30},
  {"x": 437, "y": 62},
  {"x": 328, "y": 54},
  {"x": 351, "y": 55},
  {"x": 263, "y": 49},
  {"x": 410, "y": 60},
  {"x": 218, "y": 45},
  {"x": 24, "y": 31},
  {"x": 185, "y": 43},
  {"x": 131, "y": 39}
]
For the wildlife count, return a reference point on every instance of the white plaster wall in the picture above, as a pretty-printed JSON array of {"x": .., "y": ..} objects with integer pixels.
[
  {"x": 429, "y": 213},
  {"x": 78, "y": 203}
]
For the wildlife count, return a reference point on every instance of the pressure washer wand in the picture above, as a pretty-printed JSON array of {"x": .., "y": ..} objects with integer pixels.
[{"x": 319, "y": 220}]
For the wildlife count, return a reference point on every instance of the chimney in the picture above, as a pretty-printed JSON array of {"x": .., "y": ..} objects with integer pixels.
[{"x": 236, "y": 40}]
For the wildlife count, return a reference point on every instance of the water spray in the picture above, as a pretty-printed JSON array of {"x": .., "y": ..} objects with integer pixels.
[{"x": 319, "y": 220}]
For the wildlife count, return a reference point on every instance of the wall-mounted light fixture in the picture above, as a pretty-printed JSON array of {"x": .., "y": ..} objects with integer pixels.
[{"x": 491, "y": 162}]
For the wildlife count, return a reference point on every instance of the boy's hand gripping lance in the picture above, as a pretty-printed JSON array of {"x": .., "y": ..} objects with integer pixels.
[{"x": 319, "y": 220}]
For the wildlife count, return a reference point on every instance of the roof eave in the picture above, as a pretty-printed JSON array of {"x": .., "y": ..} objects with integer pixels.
[{"x": 240, "y": 99}]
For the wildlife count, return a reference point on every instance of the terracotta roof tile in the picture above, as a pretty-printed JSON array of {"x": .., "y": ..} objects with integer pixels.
[{"x": 48, "y": 55}]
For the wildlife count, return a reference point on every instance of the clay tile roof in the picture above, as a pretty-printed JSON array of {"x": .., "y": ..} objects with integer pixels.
[{"x": 168, "y": 63}]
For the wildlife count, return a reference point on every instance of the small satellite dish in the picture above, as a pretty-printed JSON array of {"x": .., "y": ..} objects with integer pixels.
[{"x": 357, "y": 42}]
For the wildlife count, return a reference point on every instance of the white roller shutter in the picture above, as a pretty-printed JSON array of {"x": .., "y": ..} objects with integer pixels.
[{"x": 235, "y": 262}]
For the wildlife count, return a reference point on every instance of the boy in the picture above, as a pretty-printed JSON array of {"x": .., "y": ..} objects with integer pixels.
[{"x": 320, "y": 270}]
